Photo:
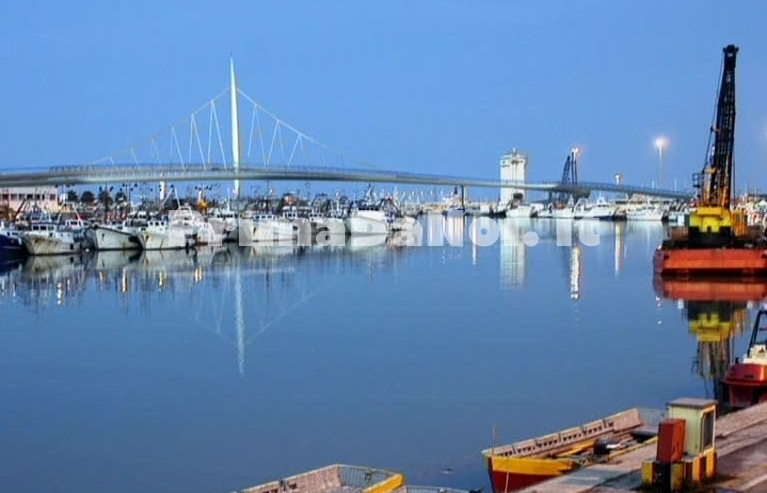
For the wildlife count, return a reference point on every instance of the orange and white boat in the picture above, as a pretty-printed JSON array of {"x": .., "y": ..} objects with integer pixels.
[
  {"x": 528, "y": 462},
  {"x": 746, "y": 379}
]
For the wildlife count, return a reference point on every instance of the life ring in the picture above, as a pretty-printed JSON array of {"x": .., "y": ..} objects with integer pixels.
[{"x": 247, "y": 214}]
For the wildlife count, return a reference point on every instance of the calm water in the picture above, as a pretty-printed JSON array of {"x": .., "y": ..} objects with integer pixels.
[{"x": 174, "y": 373}]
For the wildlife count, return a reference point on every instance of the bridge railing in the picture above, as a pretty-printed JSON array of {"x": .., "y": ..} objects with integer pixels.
[{"x": 64, "y": 175}]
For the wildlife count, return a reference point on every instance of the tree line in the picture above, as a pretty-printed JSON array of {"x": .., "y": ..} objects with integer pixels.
[{"x": 102, "y": 197}]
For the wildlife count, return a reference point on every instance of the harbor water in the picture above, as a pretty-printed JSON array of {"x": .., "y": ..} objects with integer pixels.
[{"x": 214, "y": 370}]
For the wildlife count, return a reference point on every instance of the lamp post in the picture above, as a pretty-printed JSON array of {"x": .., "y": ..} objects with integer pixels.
[{"x": 660, "y": 144}]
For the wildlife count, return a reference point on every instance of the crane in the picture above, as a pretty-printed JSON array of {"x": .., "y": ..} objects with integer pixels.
[
  {"x": 713, "y": 222},
  {"x": 716, "y": 238}
]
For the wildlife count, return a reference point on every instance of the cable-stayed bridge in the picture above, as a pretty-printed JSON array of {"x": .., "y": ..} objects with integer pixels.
[{"x": 205, "y": 147}]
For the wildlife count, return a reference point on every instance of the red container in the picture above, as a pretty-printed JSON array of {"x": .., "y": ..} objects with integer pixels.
[{"x": 670, "y": 440}]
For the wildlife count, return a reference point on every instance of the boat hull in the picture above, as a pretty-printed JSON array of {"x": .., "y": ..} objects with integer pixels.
[
  {"x": 518, "y": 212},
  {"x": 508, "y": 474},
  {"x": 597, "y": 215},
  {"x": 746, "y": 385},
  {"x": 360, "y": 225},
  {"x": 105, "y": 238},
  {"x": 710, "y": 261},
  {"x": 11, "y": 245},
  {"x": 528, "y": 462},
  {"x": 171, "y": 239},
  {"x": 51, "y": 245}
]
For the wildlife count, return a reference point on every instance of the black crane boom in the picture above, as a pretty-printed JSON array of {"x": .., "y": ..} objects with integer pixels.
[{"x": 718, "y": 174}]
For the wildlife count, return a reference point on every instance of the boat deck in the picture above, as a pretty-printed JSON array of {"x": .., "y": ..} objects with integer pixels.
[{"x": 741, "y": 441}]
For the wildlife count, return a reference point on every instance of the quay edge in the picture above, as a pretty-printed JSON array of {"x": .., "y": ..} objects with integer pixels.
[{"x": 736, "y": 433}]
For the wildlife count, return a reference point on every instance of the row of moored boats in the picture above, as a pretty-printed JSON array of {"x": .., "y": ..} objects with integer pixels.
[{"x": 40, "y": 234}]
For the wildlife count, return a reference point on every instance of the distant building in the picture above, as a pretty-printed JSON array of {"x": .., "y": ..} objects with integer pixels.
[
  {"x": 45, "y": 198},
  {"x": 513, "y": 168}
]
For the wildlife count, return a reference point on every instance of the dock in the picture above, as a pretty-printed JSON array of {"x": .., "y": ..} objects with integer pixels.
[{"x": 741, "y": 443}]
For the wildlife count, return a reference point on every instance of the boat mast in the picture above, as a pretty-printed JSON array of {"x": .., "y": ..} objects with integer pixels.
[{"x": 235, "y": 126}]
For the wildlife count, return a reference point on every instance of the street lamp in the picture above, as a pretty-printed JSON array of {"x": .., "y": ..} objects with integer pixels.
[{"x": 660, "y": 144}]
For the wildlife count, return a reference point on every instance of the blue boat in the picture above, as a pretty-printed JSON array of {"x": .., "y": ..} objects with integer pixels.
[{"x": 10, "y": 241}]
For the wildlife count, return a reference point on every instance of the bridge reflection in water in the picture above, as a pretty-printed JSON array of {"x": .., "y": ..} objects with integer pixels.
[{"x": 212, "y": 288}]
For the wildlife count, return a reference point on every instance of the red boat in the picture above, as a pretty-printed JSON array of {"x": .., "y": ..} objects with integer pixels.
[{"x": 746, "y": 379}]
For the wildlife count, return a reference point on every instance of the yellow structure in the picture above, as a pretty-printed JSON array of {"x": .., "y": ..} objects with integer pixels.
[
  {"x": 712, "y": 220},
  {"x": 714, "y": 327},
  {"x": 699, "y": 461}
]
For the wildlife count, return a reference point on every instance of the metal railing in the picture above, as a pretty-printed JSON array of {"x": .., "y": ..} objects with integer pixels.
[
  {"x": 85, "y": 174},
  {"x": 362, "y": 477}
]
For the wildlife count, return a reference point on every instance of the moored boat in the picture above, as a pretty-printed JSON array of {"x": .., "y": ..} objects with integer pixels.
[
  {"x": 335, "y": 478},
  {"x": 528, "y": 462},
  {"x": 10, "y": 240},
  {"x": 746, "y": 379}
]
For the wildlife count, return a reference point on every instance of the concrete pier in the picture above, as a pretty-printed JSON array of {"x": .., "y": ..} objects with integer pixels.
[{"x": 741, "y": 443}]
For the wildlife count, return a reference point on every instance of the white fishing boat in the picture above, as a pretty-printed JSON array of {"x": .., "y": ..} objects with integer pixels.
[
  {"x": 520, "y": 211},
  {"x": 207, "y": 234},
  {"x": 224, "y": 222},
  {"x": 366, "y": 219},
  {"x": 113, "y": 236},
  {"x": 266, "y": 228},
  {"x": 161, "y": 235},
  {"x": 334, "y": 222},
  {"x": 644, "y": 212},
  {"x": 566, "y": 212},
  {"x": 601, "y": 209},
  {"x": 50, "y": 238}
]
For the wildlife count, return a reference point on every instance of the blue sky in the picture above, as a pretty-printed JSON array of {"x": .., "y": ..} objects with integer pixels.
[{"x": 438, "y": 87}]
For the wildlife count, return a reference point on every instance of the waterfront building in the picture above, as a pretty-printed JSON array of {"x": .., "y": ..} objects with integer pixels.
[{"x": 513, "y": 168}]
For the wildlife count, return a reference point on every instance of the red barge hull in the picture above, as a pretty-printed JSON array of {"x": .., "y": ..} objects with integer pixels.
[{"x": 710, "y": 261}]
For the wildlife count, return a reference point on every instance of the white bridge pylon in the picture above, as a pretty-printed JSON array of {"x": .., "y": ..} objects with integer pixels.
[{"x": 206, "y": 138}]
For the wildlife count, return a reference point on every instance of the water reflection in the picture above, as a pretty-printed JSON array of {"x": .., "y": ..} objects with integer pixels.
[
  {"x": 245, "y": 288},
  {"x": 443, "y": 230},
  {"x": 512, "y": 254},
  {"x": 619, "y": 251},
  {"x": 717, "y": 312}
]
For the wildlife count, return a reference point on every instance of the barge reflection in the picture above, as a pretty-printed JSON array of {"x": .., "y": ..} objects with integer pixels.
[{"x": 717, "y": 311}]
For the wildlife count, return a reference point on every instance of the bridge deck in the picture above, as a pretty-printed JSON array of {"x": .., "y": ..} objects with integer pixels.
[{"x": 98, "y": 175}]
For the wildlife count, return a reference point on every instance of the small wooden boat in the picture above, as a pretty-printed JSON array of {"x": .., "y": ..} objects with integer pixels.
[
  {"x": 337, "y": 478},
  {"x": 528, "y": 462}
]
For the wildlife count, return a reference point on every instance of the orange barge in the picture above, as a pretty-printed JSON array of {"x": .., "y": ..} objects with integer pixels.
[{"x": 673, "y": 260}]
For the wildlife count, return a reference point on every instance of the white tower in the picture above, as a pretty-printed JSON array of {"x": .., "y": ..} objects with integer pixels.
[
  {"x": 235, "y": 126},
  {"x": 513, "y": 168}
]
